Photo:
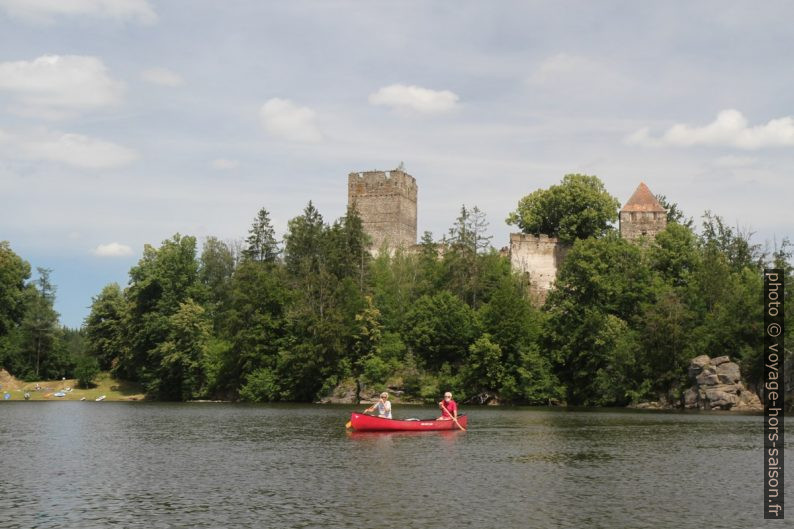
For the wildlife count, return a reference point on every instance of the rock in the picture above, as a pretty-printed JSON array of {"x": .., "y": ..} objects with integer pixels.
[
  {"x": 730, "y": 370},
  {"x": 726, "y": 379},
  {"x": 748, "y": 401},
  {"x": 720, "y": 399},
  {"x": 653, "y": 405},
  {"x": 696, "y": 365},
  {"x": 717, "y": 385},
  {"x": 700, "y": 361},
  {"x": 733, "y": 389},
  {"x": 690, "y": 398},
  {"x": 707, "y": 379}
]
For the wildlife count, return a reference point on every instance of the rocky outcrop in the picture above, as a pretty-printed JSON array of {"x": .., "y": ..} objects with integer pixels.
[{"x": 718, "y": 386}]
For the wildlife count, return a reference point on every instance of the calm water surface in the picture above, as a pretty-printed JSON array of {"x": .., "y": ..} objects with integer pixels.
[{"x": 87, "y": 464}]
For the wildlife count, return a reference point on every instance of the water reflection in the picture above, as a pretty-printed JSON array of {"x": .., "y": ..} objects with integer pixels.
[
  {"x": 214, "y": 465},
  {"x": 442, "y": 434}
]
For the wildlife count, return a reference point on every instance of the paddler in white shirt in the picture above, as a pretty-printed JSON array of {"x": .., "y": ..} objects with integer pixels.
[{"x": 383, "y": 406}]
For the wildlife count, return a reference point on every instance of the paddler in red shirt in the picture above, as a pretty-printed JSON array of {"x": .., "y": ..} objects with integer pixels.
[{"x": 449, "y": 408}]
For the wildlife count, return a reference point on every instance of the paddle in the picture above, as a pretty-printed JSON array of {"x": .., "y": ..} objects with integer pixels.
[{"x": 452, "y": 417}]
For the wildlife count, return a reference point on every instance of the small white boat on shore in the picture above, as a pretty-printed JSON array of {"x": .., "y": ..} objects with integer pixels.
[{"x": 100, "y": 398}]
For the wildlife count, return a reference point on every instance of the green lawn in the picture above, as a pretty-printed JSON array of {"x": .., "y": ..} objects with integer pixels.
[{"x": 104, "y": 385}]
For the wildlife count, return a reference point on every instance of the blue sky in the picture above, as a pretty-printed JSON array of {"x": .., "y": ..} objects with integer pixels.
[{"x": 123, "y": 122}]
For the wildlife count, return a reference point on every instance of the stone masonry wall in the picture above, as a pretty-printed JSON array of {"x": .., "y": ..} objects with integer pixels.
[
  {"x": 538, "y": 256},
  {"x": 635, "y": 224},
  {"x": 386, "y": 201}
]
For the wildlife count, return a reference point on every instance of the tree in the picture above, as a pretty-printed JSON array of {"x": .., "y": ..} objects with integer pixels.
[
  {"x": 348, "y": 249},
  {"x": 429, "y": 266},
  {"x": 303, "y": 242},
  {"x": 735, "y": 245},
  {"x": 440, "y": 328},
  {"x": 261, "y": 242},
  {"x": 509, "y": 319},
  {"x": 395, "y": 285},
  {"x": 163, "y": 280},
  {"x": 462, "y": 261},
  {"x": 485, "y": 368},
  {"x": 578, "y": 208},
  {"x": 674, "y": 213},
  {"x": 180, "y": 375},
  {"x": 216, "y": 266},
  {"x": 665, "y": 331},
  {"x": 366, "y": 342},
  {"x": 254, "y": 324},
  {"x": 86, "y": 370},
  {"x": 601, "y": 285},
  {"x": 14, "y": 272},
  {"x": 39, "y": 325},
  {"x": 103, "y": 326},
  {"x": 674, "y": 254}
]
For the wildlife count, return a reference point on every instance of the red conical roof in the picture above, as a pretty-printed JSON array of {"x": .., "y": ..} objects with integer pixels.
[{"x": 642, "y": 200}]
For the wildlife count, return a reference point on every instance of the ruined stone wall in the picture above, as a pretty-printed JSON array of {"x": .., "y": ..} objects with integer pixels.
[
  {"x": 635, "y": 224},
  {"x": 386, "y": 201},
  {"x": 538, "y": 256}
]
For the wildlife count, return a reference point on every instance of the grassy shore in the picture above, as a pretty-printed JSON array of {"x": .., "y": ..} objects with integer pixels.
[{"x": 113, "y": 389}]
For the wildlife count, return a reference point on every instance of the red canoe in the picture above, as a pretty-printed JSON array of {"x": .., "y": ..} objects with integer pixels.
[{"x": 368, "y": 423}]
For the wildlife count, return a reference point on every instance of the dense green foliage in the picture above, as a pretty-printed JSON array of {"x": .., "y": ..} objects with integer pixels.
[
  {"x": 263, "y": 320},
  {"x": 578, "y": 208},
  {"x": 86, "y": 370},
  {"x": 32, "y": 344}
]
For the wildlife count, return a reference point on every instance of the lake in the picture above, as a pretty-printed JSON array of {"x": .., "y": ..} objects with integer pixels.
[{"x": 88, "y": 464}]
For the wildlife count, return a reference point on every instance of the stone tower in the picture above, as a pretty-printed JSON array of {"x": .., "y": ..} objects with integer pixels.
[
  {"x": 539, "y": 257},
  {"x": 642, "y": 215},
  {"x": 386, "y": 201}
]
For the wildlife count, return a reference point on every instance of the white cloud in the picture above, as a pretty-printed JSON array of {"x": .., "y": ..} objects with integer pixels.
[
  {"x": 222, "y": 164},
  {"x": 285, "y": 120},
  {"x": 415, "y": 98},
  {"x": 112, "y": 249},
  {"x": 730, "y": 129},
  {"x": 569, "y": 74},
  {"x": 162, "y": 77},
  {"x": 564, "y": 66},
  {"x": 55, "y": 86},
  {"x": 44, "y": 11},
  {"x": 71, "y": 149},
  {"x": 734, "y": 161}
]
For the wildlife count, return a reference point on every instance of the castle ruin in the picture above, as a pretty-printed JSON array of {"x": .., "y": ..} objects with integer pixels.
[
  {"x": 386, "y": 202},
  {"x": 540, "y": 257}
]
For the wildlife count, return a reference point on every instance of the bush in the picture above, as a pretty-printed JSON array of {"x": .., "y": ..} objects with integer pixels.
[
  {"x": 86, "y": 370},
  {"x": 376, "y": 371},
  {"x": 260, "y": 386}
]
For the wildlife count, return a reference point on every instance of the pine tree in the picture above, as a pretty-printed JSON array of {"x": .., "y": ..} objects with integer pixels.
[{"x": 261, "y": 241}]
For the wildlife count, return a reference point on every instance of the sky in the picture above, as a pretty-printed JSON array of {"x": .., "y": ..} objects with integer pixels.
[{"x": 123, "y": 122}]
